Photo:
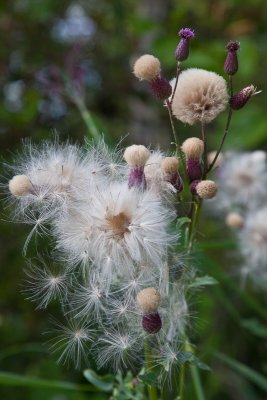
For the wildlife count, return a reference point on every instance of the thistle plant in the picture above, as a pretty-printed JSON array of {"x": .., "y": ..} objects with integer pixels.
[{"x": 123, "y": 224}]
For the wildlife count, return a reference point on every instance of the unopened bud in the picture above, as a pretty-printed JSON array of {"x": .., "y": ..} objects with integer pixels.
[
  {"x": 151, "y": 322},
  {"x": 182, "y": 50},
  {"x": 239, "y": 99},
  {"x": 206, "y": 189},
  {"x": 231, "y": 61},
  {"x": 20, "y": 185},
  {"x": 147, "y": 67},
  {"x": 161, "y": 88},
  {"x": 148, "y": 300},
  {"x": 193, "y": 148},
  {"x": 234, "y": 220}
]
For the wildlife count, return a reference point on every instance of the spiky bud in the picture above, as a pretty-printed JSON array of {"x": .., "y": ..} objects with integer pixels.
[
  {"x": 147, "y": 67},
  {"x": 161, "y": 88},
  {"x": 182, "y": 50},
  {"x": 151, "y": 322},
  {"x": 20, "y": 185},
  {"x": 193, "y": 148},
  {"x": 239, "y": 99},
  {"x": 234, "y": 220},
  {"x": 231, "y": 61},
  {"x": 148, "y": 300},
  {"x": 206, "y": 189}
]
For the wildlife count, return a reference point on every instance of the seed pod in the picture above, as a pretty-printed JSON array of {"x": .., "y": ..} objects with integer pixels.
[{"x": 20, "y": 185}]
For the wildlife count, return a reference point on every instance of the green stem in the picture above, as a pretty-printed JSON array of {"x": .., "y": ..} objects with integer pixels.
[
  {"x": 178, "y": 150},
  {"x": 181, "y": 382},
  {"x": 152, "y": 390},
  {"x": 195, "y": 376},
  {"x": 178, "y": 71},
  {"x": 205, "y": 153},
  {"x": 87, "y": 117}
]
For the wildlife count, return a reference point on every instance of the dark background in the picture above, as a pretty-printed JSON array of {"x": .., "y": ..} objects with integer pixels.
[{"x": 40, "y": 51}]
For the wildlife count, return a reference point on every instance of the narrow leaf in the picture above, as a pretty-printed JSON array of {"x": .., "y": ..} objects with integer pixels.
[{"x": 104, "y": 383}]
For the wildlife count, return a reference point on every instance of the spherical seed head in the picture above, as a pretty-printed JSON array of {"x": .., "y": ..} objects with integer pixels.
[
  {"x": 148, "y": 300},
  {"x": 206, "y": 189},
  {"x": 152, "y": 322},
  {"x": 136, "y": 155},
  {"x": 147, "y": 67},
  {"x": 169, "y": 165},
  {"x": 239, "y": 99},
  {"x": 234, "y": 220},
  {"x": 193, "y": 148},
  {"x": 20, "y": 185}
]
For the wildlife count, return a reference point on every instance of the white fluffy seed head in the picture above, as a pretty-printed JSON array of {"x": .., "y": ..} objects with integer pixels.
[
  {"x": 193, "y": 148},
  {"x": 206, "y": 189},
  {"x": 147, "y": 67},
  {"x": 200, "y": 96},
  {"x": 148, "y": 300},
  {"x": 136, "y": 155},
  {"x": 170, "y": 165},
  {"x": 234, "y": 220},
  {"x": 218, "y": 162},
  {"x": 20, "y": 185}
]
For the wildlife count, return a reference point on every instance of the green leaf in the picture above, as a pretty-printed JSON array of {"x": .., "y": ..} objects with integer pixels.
[
  {"x": 104, "y": 383},
  {"x": 149, "y": 378},
  {"x": 203, "y": 281},
  {"x": 10, "y": 379},
  {"x": 182, "y": 221},
  {"x": 244, "y": 370},
  {"x": 255, "y": 327}
]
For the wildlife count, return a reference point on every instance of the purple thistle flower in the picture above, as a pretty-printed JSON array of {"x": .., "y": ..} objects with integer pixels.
[
  {"x": 231, "y": 61},
  {"x": 193, "y": 169},
  {"x": 152, "y": 322},
  {"x": 182, "y": 50},
  {"x": 137, "y": 178}
]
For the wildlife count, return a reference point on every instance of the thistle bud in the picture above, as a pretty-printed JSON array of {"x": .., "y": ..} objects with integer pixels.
[
  {"x": 234, "y": 220},
  {"x": 231, "y": 61},
  {"x": 193, "y": 148},
  {"x": 148, "y": 300},
  {"x": 136, "y": 156},
  {"x": 20, "y": 185},
  {"x": 182, "y": 50},
  {"x": 152, "y": 322},
  {"x": 206, "y": 189},
  {"x": 193, "y": 169},
  {"x": 169, "y": 166},
  {"x": 147, "y": 67},
  {"x": 161, "y": 88},
  {"x": 239, "y": 99}
]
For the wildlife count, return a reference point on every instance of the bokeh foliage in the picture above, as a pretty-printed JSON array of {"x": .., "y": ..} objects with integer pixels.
[{"x": 229, "y": 319}]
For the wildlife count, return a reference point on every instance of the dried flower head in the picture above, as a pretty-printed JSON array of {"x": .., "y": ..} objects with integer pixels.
[
  {"x": 239, "y": 99},
  {"x": 193, "y": 148},
  {"x": 20, "y": 185},
  {"x": 148, "y": 300},
  {"x": 200, "y": 96},
  {"x": 234, "y": 220},
  {"x": 147, "y": 67},
  {"x": 206, "y": 189},
  {"x": 136, "y": 155},
  {"x": 219, "y": 161},
  {"x": 170, "y": 165}
]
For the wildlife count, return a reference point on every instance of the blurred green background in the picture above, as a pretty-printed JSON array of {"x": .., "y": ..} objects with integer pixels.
[{"x": 46, "y": 44}]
